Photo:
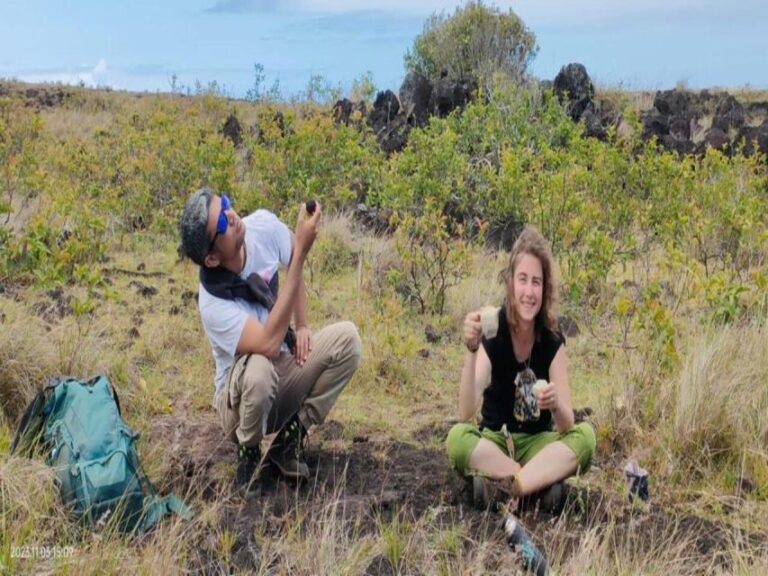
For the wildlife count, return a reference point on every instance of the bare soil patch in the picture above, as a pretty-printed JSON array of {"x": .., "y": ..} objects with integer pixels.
[{"x": 375, "y": 480}]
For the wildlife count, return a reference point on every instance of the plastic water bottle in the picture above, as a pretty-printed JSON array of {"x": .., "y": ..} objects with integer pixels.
[{"x": 518, "y": 538}]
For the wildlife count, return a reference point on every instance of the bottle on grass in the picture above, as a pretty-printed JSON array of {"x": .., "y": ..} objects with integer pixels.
[{"x": 518, "y": 539}]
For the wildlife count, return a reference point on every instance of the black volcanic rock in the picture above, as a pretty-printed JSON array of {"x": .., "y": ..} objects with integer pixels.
[
  {"x": 574, "y": 89},
  {"x": 233, "y": 130},
  {"x": 449, "y": 94},
  {"x": 415, "y": 94},
  {"x": 729, "y": 114}
]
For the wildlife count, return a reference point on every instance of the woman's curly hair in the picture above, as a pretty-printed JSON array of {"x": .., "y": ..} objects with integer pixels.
[{"x": 532, "y": 242}]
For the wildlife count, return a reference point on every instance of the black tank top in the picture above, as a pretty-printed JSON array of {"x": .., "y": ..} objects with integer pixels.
[{"x": 509, "y": 397}]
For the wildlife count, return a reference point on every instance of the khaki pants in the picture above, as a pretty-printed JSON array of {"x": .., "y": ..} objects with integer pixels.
[{"x": 261, "y": 394}]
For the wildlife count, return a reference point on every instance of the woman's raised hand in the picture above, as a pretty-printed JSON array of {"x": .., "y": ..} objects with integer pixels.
[
  {"x": 546, "y": 397},
  {"x": 472, "y": 331}
]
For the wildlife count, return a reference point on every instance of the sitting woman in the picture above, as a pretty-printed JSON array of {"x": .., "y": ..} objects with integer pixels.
[{"x": 516, "y": 452}]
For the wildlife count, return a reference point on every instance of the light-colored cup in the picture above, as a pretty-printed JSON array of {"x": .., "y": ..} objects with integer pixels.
[
  {"x": 540, "y": 384},
  {"x": 489, "y": 320}
]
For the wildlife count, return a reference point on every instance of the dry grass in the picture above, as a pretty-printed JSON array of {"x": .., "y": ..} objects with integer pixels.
[
  {"x": 329, "y": 539},
  {"x": 609, "y": 549},
  {"x": 696, "y": 421},
  {"x": 61, "y": 123},
  {"x": 24, "y": 362},
  {"x": 718, "y": 405},
  {"x": 30, "y": 509},
  {"x": 640, "y": 100}
]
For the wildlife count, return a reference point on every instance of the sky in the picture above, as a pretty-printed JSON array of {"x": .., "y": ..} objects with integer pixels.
[{"x": 154, "y": 45}]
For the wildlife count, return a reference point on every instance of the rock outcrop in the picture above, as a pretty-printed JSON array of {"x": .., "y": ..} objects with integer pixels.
[
  {"x": 690, "y": 122},
  {"x": 683, "y": 121},
  {"x": 391, "y": 118}
]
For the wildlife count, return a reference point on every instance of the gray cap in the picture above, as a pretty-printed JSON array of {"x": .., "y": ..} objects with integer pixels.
[{"x": 194, "y": 221}]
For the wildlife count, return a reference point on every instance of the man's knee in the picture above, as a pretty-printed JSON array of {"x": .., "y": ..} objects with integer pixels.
[
  {"x": 258, "y": 380},
  {"x": 350, "y": 339}
]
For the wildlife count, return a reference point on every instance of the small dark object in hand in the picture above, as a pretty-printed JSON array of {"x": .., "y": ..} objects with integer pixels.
[{"x": 311, "y": 207}]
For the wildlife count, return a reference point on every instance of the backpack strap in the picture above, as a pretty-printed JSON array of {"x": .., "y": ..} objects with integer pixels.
[
  {"x": 157, "y": 508},
  {"x": 31, "y": 425}
]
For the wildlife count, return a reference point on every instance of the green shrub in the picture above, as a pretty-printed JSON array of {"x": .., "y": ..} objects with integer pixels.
[
  {"x": 476, "y": 41},
  {"x": 434, "y": 256}
]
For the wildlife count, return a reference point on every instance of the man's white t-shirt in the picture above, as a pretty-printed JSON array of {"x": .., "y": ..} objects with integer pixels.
[{"x": 268, "y": 244}]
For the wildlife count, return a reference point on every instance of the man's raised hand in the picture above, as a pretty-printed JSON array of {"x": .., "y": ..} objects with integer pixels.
[{"x": 306, "y": 229}]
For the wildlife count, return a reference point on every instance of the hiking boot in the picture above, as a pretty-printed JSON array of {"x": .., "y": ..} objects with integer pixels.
[
  {"x": 550, "y": 500},
  {"x": 246, "y": 480},
  {"x": 488, "y": 493},
  {"x": 286, "y": 452},
  {"x": 479, "y": 492}
]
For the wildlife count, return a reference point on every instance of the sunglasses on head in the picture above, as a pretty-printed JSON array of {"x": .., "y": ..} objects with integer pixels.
[{"x": 223, "y": 221}]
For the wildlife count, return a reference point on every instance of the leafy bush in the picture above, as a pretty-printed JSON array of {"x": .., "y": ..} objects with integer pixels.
[
  {"x": 477, "y": 41},
  {"x": 21, "y": 175},
  {"x": 20, "y": 132},
  {"x": 336, "y": 165},
  {"x": 432, "y": 260}
]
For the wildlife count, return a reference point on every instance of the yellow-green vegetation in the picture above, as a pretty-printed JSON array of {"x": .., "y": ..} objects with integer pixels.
[{"x": 663, "y": 265}]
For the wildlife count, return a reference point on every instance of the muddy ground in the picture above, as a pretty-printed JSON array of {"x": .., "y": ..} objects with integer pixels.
[{"x": 373, "y": 480}]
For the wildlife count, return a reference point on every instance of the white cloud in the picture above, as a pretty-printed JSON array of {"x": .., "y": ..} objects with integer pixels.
[
  {"x": 88, "y": 77},
  {"x": 100, "y": 68},
  {"x": 562, "y": 13},
  {"x": 533, "y": 12},
  {"x": 239, "y": 6}
]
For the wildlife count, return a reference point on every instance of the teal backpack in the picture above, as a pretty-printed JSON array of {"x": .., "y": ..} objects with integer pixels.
[{"x": 79, "y": 426}]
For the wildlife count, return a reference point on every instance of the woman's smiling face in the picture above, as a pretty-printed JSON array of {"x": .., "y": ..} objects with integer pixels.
[{"x": 527, "y": 288}]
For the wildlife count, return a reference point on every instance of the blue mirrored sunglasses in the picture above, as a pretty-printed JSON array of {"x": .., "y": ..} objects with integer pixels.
[{"x": 223, "y": 221}]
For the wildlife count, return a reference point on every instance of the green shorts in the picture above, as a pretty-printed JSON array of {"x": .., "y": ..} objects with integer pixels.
[{"x": 463, "y": 438}]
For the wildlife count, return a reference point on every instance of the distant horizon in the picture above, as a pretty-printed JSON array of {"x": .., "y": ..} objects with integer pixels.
[
  {"x": 221, "y": 90},
  {"x": 635, "y": 46}
]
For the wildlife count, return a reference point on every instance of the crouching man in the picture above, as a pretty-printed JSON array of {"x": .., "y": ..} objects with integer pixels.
[{"x": 269, "y": 377}]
